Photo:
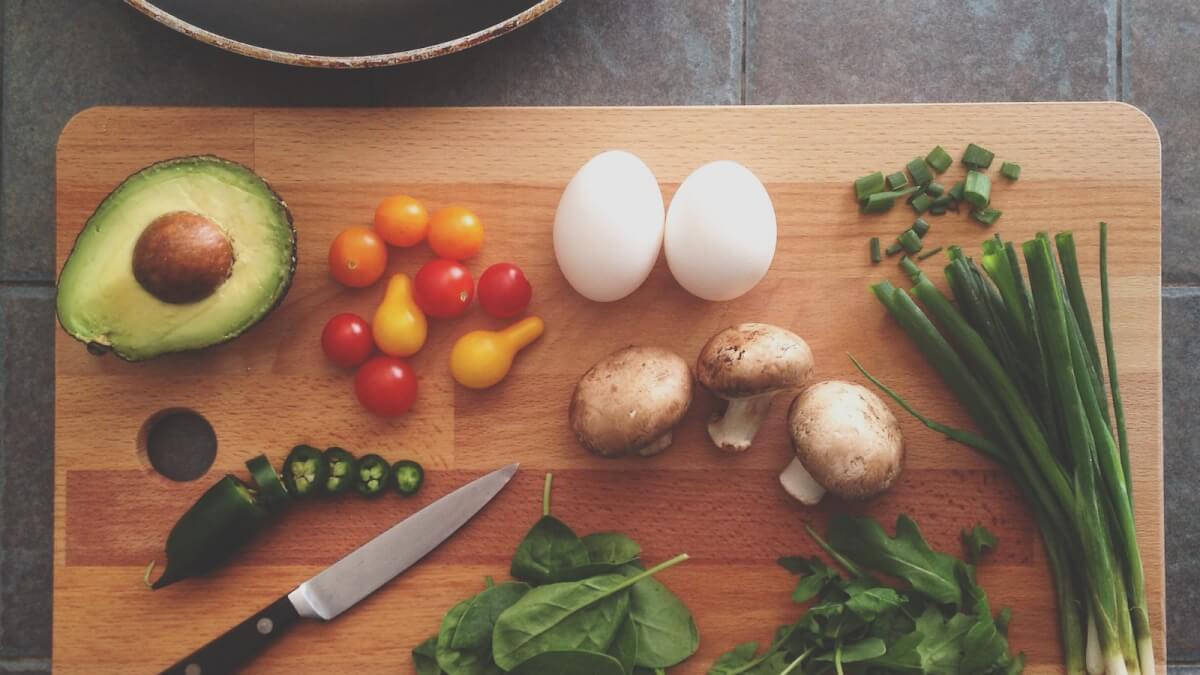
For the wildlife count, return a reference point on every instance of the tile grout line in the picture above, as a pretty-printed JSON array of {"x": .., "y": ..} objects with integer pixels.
[
  {"x": 21, "y": 664},
  {"x": 745, "y": 47},
  {"x": 1123, "y": 10},
  {"x": 1118, "y": 88}
]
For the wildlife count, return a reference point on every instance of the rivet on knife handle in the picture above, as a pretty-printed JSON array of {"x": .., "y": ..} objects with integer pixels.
[{"x": 240, "y": 644}]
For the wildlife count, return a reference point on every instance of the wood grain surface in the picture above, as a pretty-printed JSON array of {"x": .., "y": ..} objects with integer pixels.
[{"x": 271, "y": 388}]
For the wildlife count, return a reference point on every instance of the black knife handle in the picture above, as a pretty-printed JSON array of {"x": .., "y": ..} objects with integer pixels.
[{"x": 240, "y": 644}]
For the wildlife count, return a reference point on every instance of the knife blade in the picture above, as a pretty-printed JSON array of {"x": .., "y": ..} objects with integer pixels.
[{"x": 339, "y": 586}]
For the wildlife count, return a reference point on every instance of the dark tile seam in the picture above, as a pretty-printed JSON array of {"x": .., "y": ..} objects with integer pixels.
[
  {"x": 1180, "y": 291},
  {"x": 1117, "y": 79},
  {"x": 745, "y": 47},
  {"x": 1124, "y": 8},
  {"x": 18, "y": 665}
]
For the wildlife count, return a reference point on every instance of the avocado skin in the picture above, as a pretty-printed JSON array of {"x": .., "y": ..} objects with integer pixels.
[{"x": 100, "y": 349}]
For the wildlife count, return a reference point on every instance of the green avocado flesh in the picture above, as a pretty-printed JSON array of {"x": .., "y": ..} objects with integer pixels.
[{"x": 102, "y": 303}]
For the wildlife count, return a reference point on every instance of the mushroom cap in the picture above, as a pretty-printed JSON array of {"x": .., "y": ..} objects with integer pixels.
[
  {"x": 630, "y": 399},
  {"x": 847, "y": 438},
  {"x": 752, "y": 359}
]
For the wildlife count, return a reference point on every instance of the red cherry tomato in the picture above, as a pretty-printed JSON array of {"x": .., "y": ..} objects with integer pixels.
[
  {"x": 504, "y": 291},
  {"x": 347, "y": 340},
  {"x": 443, "y": 288},
  {"x": 386, "y": 386}
]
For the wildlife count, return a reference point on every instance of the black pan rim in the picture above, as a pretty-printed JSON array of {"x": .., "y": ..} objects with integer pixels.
[{"x": 317, "y": 61}]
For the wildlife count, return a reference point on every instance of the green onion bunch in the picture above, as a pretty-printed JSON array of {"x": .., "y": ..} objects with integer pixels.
[{"x": 1019, "y": 352}]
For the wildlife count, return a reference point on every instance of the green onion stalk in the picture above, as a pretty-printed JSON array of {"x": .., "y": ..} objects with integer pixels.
[{"x": 1021, "y": 356}]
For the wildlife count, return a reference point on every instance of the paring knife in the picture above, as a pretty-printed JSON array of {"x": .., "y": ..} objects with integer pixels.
[{"x": 339, "y": 586}]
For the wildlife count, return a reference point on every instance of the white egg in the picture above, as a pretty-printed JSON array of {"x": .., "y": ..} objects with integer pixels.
[
  {"x": 720, "y": 233},
  {"x": 608, "y": 228}
]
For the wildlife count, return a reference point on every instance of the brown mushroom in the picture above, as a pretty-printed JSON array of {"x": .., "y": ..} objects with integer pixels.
[
  {"x": 747, "y": 365},
  {"x": 629, "y": 402},
  {"x": 847, "y": 442}
]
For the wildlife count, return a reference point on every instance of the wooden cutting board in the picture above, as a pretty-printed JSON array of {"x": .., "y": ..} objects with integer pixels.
[{"x": 271, "y": 388}]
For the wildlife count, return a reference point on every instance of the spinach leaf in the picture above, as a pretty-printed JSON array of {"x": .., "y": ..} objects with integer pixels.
[
  {"x": 560, "y": 617},
  {"x": 666, "y": 631},
  {"x": 474, "y": 628},
  {"x": 624, "y": 649},
  {"x": 548, "y": 552},
  {"x": 612, "y": 548},
  {"x": 424, "y": 658},
  {"x": 978, "y": 542},
  {"x": 907, "y": 556},
  {"x": 461, "y": 661},
  {"x": 568, "y": 661}
]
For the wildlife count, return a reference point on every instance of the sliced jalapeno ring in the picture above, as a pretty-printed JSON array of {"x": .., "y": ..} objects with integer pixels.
[
  {"x": 271, "y": 491},
  {"x": 407, "y": 477},
  {"x": 343, "y": 470},
  {"x": 305, "y": 471},
  {"x": 374, "y": 474}
]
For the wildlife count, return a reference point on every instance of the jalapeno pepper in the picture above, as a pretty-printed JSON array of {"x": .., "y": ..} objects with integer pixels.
[
  {"x": 407, "y": 477},
  {"x": 343, "y": 470},
  {"x": 374, "y": 474},
  {"x": 271, "y": 492},
  {"x": 219, "y": 523},
  {"x": 305, "y": 471}
]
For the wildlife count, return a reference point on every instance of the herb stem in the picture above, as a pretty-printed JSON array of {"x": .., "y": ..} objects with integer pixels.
[{"x": 546, "y": 494}]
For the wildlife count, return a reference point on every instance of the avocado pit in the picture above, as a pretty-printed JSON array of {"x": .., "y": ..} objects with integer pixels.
[{"x": 182, "y": 257}]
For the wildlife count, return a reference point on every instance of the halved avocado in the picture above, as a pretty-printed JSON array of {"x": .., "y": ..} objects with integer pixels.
[{"x": 183, "y": 254}]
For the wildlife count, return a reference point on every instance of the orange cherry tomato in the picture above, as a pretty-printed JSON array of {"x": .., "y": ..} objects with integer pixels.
[
  {"x": 455, "y": 233},
  {"x": 357, "y": 257},
  {"x": 401, "y": 220}
]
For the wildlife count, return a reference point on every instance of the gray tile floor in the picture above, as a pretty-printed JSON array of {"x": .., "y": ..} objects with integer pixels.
[{"x": 60, "y": 56}]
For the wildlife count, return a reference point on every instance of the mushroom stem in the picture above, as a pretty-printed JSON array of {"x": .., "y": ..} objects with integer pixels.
[
  {"x": 800, "y": 484},
  {"x": 734, "y": 429}
]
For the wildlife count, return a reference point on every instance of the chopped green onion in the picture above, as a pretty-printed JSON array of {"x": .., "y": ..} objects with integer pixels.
[
  {"x": 977, "y": 189},
  {"x": 945, "y": 202},
  {"x": 921, "y": 203},
  {"x": 868, "y": 185},
  {"x": 930, "y": 253},
  {"x": 897, "y": 180},
  {"x": 1010, "y": 170},
  {"x": 920, "y": 226},
  {"x": 957, "y": 191},
  {"x": 920, "y": 172},
  {"x": 879, "y": 202},
  {"x": 939, "y": 159},
  {"x": 910, "y": 241},
  {"x": 935, "y": 189},
  {"x": 936, "y": 210},
  {"x": 910, "y": 268},
  {"x": 893, "y": 249},
  {"x": 876, "y": 256},
  {"x": 986, "y": 215},
  {"x": 977, "y": 157}
]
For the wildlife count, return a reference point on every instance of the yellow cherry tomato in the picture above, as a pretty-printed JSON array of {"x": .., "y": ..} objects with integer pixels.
[
  {"x": 482, "y": 358},
  {"x": 399, "y": 326},
  {"x": 401, "y": 220},
  {"x": 455, "y": 233}
]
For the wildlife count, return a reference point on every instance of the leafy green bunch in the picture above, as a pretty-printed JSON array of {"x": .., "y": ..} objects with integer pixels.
[
  {"x": 938, "y": 623},
  {"x": 577, "y": 605}
]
